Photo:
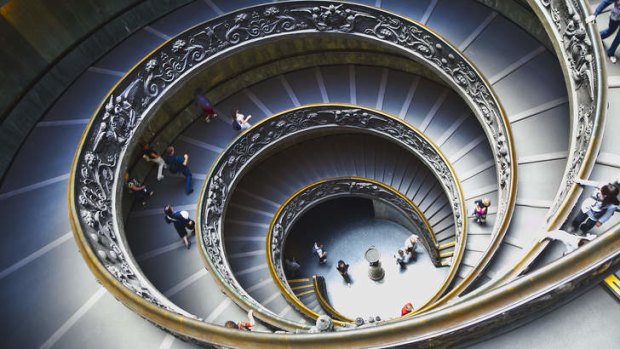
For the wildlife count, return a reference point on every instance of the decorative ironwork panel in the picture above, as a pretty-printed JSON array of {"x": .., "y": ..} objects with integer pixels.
[
  {"x": 319, "y": 192},
  {"x": 96, "y": 168},
  {"x": 579, "y": 52},
  {"x": 265, "y": 136}
]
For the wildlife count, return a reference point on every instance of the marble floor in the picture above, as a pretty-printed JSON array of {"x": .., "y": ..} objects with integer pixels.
[{"x": 347, "y": 228}]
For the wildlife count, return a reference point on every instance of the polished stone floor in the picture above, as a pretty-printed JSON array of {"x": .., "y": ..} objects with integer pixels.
[{"x": 347, "y": 228}]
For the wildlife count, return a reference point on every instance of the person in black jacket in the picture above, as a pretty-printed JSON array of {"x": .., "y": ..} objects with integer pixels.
[
  {"x": 181, "y": 221},
  {"x": 343, "y": 269},
  {"x": 176, "y": 164}
]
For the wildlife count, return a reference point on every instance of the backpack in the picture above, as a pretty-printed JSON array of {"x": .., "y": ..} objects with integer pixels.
[{"x": 236, "y": 126}]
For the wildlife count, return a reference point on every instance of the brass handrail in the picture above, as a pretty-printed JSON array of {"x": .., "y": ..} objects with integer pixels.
[
  {"x": 347, "y": 187},
  {"x": 335, "y": 314},
  {"x": 587, "y": 127},
  {"x": 265, "y": 137},
  {"x": 95, "y": 169}
]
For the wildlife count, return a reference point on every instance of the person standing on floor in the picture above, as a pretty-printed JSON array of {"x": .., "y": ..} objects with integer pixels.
[
  {"x": 292, "y": 267},
  {"x": 614, "y": 22},
  {"x": 410, "y": 245},
  {"x": 203, "y": 103},
  {"x": 401, "y": 257},
  {"x": 318, "y": 250},
  {"x": 597, "y": 209},
  {"x": 150, "y": 155},
  {"x": 182, "y": 222},
  {"x": 343, "y": 269},
  {"x": 177, "y": 164}
]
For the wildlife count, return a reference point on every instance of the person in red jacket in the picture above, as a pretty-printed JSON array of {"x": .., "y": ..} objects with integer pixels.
[
  {"x": 407, "y": 308},
  {"x": 242, "y": 325}
]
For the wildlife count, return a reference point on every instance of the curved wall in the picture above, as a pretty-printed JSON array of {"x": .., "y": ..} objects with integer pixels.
[{"x": 51, "y": 43}]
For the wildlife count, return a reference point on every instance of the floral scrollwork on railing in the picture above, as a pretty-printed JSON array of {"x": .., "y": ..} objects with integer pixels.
[
  {"x": 267, "y": 135},
  {"x": 579, "y": 52},
  {"x": 328, "y": 189},
  {"x": 101, "y": 155}
]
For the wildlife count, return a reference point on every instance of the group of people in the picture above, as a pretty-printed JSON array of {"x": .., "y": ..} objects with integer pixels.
[
  {"x": 172, "y": 161},
  {"x": 239, "y": 121},
  {"x": 342, "y": 267},
  {"x": 177, "y": 163},
  {"x": 594, "y": 212},
  {"x": 407, "y": 252},
  {"x": 481, "y": 209}
]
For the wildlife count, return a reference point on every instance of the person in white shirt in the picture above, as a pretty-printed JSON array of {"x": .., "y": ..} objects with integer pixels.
[
  {"x": 410, "y": 245},
  {"x": 240, "y": 121}
]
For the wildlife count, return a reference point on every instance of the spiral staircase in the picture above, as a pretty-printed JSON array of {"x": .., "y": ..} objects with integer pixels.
[{"x": 500, "y": 275}]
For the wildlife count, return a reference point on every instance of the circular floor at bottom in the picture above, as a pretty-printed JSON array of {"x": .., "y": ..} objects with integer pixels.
[{"x": 348, "y": 228}]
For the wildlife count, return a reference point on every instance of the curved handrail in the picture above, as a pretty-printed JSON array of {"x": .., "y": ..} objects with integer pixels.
[
  {"x": 580, "y": 52},
  {"x": 295, "y": 206},
  {"x": 335, "y": 314},
  {"x": 268, "y": 135},
  {"x": 100, "y": 157}
]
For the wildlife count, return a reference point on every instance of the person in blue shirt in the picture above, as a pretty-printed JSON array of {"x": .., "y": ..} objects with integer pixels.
[
  {"x": 181, "y": 222},
  {"x": 176, "y": 164},
  {"x": 597, "y": 209},
  {"x": 614, "y": 22}
]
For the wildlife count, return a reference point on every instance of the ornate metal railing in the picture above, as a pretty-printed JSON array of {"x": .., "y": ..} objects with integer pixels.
[
  {"x": 579, "y": 49},
  {"x": 320, "y": 288},
  {"x": 580, "y": 52},
  {"x": 265, "y": 138},
  {"x": 100, "y": 159},
  {"x": 315, "y": 193}
]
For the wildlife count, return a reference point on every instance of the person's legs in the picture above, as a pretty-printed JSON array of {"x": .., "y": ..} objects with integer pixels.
[
  {"x": 587, "y": 225},
  {"x": 188, "y": 180},
  {"x": 142, "y": 195},
  {"x": 160, "y": 168},
  {"x": 182, "y": 234},
  {"x": 614, "y": 45},
  {"x": 605, "y": 33},
  {"x": 613, "y": 25},
  {"x": 579, "y": 218}
]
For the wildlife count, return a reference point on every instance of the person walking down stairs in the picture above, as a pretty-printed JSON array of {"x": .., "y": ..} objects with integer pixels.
[{"x": 614, "y": 23}]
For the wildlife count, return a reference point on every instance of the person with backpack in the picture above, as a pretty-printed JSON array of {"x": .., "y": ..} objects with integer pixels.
[{"x": 181, "y": 222}]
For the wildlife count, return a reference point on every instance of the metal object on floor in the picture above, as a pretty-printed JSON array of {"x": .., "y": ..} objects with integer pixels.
[{"x": 375, "y": 270}]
